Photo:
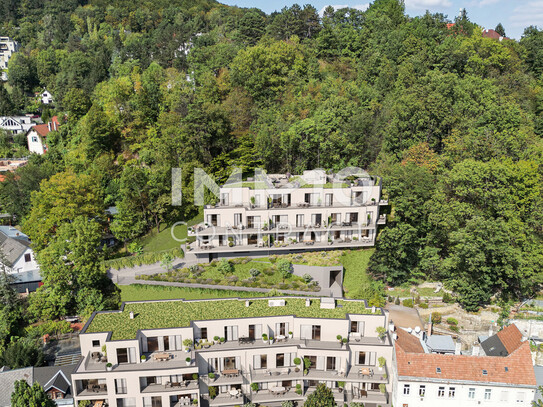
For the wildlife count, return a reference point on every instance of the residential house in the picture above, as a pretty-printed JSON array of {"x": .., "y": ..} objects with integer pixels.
[
  {"x": 16, "y": 124},
  {"x": 262, "y": 350},
  {"x": 55, "y": 380},
  {"x": 46, "y": 97},
  {"x": 493, "y": 34},
  {"x": 504, "y": 376},
  {"x": 7, "y": 48},
  {"x": 11, "y": 165},
  {"x": 37, "y": 136},
  {"x": 284, "y": 213}
]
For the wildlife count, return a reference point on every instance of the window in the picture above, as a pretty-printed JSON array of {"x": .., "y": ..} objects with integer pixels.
[
  {"x": 128, "y": 402},
  {"x": 330, "y": 363},
  {"x": 264, "y": 361},
  {"x": 299, "y": 221},
  {"x": 155, "y": 401},
  {"x": 95, "y": 343},
  {"x": 316, "y": 332},
  {"x": 485, "y": 372},
  {"x": 28, "y": 257},
  {"x": 354, "y": 326},
  {"x": 452, "y": 392},
  {"x": 34, "y": 139},
  {"x": 520, "y": 397},
  {"x": 120, "y": 386},
  {"x": 237, "y": 219},
  {"x": 488, "y": 394},
  {"x": 441, "y": 392},
  {"x": 438, "y": 370},
  {"x": 280, "y": 360},
  {"x": 471, "y": 393},
  {"x": 224, "y": 199},
  {"x": 422, "y": 390},
  {"x": 361, "y": 358},
  {"x": 406, "y": 388},
  {"x": 329, "y": 199},
  {"x": 203, "y": 333}
]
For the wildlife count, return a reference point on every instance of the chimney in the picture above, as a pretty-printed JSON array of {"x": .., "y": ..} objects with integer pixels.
[
  {"x": 490, "y": 331},
  {"x": 457, "y": 348},
  {"x": 131, "y": 314},
  {"x": 55, "y": 124},
  {"x": 429, "y": 331},
  {"x": 49, "y": 126},
  {"x": 475, "y": 351}
]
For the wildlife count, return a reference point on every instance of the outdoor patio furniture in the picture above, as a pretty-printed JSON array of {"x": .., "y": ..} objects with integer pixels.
[
  {"x": 95, "y": 356},
  {"x": 364, "y": 371},
  {"x": 363, "y": 393},
  {"x": 161, "y": 357},
  {"x": 230, "y": 372}
]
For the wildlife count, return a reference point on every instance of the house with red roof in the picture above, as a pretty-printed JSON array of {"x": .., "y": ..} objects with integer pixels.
[
  {"x": 498, "y": 374},
  {"x": 493, "y": 34},
  {"x": 37, "y": 136}
]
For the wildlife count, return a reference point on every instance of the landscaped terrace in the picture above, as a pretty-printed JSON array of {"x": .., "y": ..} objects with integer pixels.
[{"x": 179, "y": 313}]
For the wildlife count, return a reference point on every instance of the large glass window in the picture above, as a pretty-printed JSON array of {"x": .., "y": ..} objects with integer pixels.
[
  {"x": 316, "y": 332},
  {"x": 330, "y": 363},
  {"x": 280, "y": 360},
  {"x": 120, "y": 386}
]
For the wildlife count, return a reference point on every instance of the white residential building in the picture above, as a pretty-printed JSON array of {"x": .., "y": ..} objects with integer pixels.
[
  {"x": 138, "y": 356},
  {"x": 422, "y": 378},
  {"x": 16, "y": 124},
  {"x": 18, "y": 256},
  {"x": 291, "y": 213},
  {"x": 7, "y": 48},
  {"x": 37, "y": 136},
  {"x": 46, "y": 97}
]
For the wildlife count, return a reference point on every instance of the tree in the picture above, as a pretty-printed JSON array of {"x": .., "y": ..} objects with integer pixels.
[
  {"x": 61, "y": 199},
  {"x": 6, "y": 105},
  {"x": 322, "y": 397},
  {"x": 11, "y": 310},
  {"x": 225, "y": 267},
  {"x": 284, "y": 267},
  {"x": 167, "y": 261},
  {"x": 26, "y": 396},
  {"x": 500, "y": 30},
  {"x": 21, "y": 353}
]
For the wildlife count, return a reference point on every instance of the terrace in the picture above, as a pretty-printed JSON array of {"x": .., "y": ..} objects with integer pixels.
[
  {"x": 268, "y": 396},
  {"x": 179, "y": 313},
  {"x": 187, "y": 385}
]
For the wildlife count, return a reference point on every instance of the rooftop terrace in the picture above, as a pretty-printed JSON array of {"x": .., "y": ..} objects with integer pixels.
[{"x": 179, "y": 313}]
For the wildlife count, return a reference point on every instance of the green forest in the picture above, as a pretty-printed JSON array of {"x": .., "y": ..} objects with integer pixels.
[{"x": 451, "y": 121}]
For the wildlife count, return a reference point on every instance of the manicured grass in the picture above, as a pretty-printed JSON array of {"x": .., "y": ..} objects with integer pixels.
[
  {"x": 171, "y": 314},
  {"x": 355, "y": 264},
  {"x": 143, "y": 292},
  {"x": 156, "y": 242}
]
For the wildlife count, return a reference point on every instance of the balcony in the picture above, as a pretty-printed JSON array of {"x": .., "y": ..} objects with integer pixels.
[
  {"x": 339, "y": 396},
  {"x": 90, "y": 388},
  {"x": 275, "y": 374},
  {"x": 355, "y": 373},
  {"x": 268, "y": 396},
  {"x": 187, "y": 385},
  {"x": 368, "y": 397},
  {"x": 222, "y": 379},
  {"x": 227, "y": 399},
  {"x": 331, "y": 375}
]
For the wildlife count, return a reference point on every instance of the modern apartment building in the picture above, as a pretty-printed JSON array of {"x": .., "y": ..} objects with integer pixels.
[
  {"x": 263, "y": 350},
  {"x": 501, "y": 374},
  {"x": 7, "y": 48},
  {"x": 279, "y": 213}
]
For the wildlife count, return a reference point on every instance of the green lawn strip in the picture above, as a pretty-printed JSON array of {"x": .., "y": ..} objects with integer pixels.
[
  {"x": 144, "y": 292},
  {"x": 155, "y": 242},
  {"x": 355, "y": 264},
  {"x": 173, "y": 314}
]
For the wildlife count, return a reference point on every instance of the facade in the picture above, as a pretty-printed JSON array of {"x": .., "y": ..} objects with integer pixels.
[
  {"x": 37, "y": 136},
  {"x": 291, "y": 213},
  {"x": 16, "y": 124},
  {"x": 7, "y": 48},
  {"x": 18, "y": 257},
  {"x": 422, "y": 378},
  {"x": 146, "y": 345},
  {"x": 46, "y": 97}
]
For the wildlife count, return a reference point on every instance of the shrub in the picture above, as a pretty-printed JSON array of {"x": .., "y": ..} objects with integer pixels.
[
  {"x": 436, "y": 318},
  {"x": 408, "y": 303},
  {"x": 297, "y": 361},
  {"x": 232, "y": 279},
  {"x": 307, "y": 278},
  {"x": 454, "y": 328},
  {"x": 417, "y": 299},
  {"x": 254, "y": 272},
  {"x": 211, "y": 375},
  {"x": 284, "y": 267},
  {"x": 195, "y": 376},
  {"x": 397, "y": 301},
  {"x": 382, "y": 361},
  {"x": 423, "y": 305},
  {"x": 287, "y": 404},
  {"x": 225, "y": 267},
  {"x": 452, "y": 321},
  {"x": 447, "y": 298},
  {"x": 212, "y": 392},
  {"x": 254, "y": 386}
]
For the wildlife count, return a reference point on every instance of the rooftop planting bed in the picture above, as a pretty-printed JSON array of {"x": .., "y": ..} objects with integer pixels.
[{"x": 171, "y": 314}]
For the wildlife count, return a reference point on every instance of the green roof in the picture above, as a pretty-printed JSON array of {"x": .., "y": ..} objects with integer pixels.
[{"x": 173, "y": 314}]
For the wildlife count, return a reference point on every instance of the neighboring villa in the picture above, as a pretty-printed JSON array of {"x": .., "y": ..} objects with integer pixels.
[
  {"x": 283, "y": 213},
  {"x": 439, "y": 375},
  {"x": 16, "y": 124},
  {"x": 7, "y": 48},
  {"x": 37, "y": 136},
  {"x": 11, "y": 165},
  {"x": 246, "y": 350}
]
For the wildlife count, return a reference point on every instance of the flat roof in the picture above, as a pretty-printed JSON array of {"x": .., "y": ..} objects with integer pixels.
[{"x": 179, "y": 313}]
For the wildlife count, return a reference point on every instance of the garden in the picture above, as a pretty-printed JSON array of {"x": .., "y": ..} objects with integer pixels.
[{"x": 242, "y": 272}]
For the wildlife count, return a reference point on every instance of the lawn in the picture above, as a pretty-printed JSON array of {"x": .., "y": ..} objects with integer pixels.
[
  {"x": 142, "y": 292},
  {"x": 172, "y": 314},
  {"x": 355, "y": 264},
  {"x": 156, "y": 242}
]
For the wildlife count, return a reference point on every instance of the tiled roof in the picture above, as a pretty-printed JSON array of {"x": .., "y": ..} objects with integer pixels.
[
  {"x": 514, "y": 369},
  {"x": 410, "y": 343},
  {"x": 511, "y": 338},
  {"x": 41, "y": 129}
]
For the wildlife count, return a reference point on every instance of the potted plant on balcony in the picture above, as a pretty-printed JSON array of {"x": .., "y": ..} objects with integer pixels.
[
  {"x": 254, "y": 387},
  {"x": 109, "y": 367},
  {"x": 381, "y": 333},
  {"x": 211, "y": 376},
  {"x": 383, "y": 388},
  {"x": 290, "y": 334},
  {"x": 299, "y": 389},
  {"x": 382, "y": 361},
  {"x": 216, "y": 340},
  {"x": 143, "y": 358},
  {"x": 195, "y": 402},
  {"x": 187, "y": 343},
  {"x": 297, "y": 362},
  {"x": 264, "y": 338},
  {"x": 195, "y": 376},
  {"x": 271, "y": 339},
  {"x": 344, "y": 341},
  {"x": 188, "y": 360},
  {"x": 341, "y": 386},
  {"x": 222, "y": 340},
  {"x": 340, "y": 339},
  {"x": 253, "y": 200},
  {"x": 307, "y": 365}
]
